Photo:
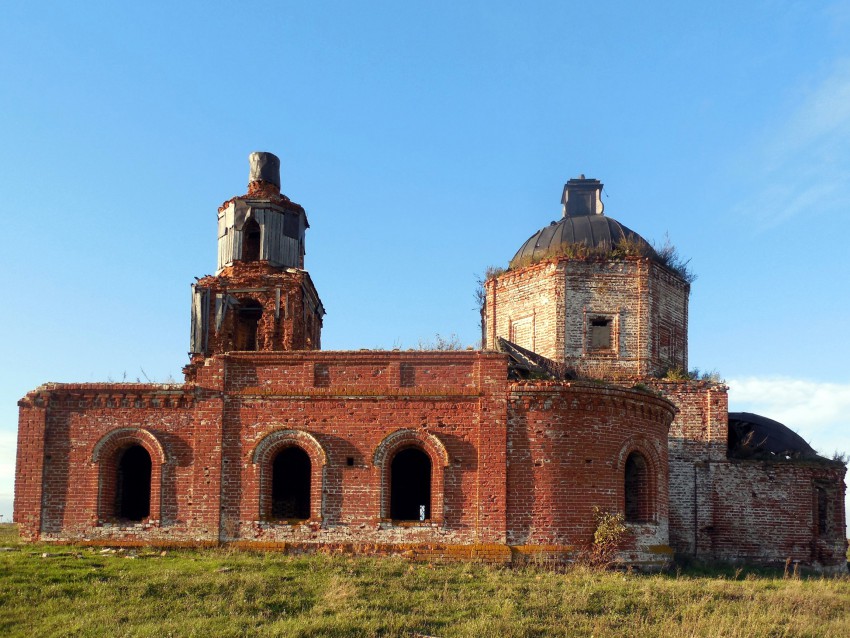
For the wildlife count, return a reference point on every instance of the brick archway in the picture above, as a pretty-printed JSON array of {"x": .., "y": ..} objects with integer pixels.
[
  {"x": 106, "y": 455},
  {"x": 263, "y": 455},
  {"x": 431, "y": 446},
  {"x": 639, "y": 452}
]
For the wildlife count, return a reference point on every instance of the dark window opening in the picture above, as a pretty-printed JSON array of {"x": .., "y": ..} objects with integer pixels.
[
  {"x": 823, "y": 510},
  {"x": 410, "y": 486},
  {"x": 349, "y": 461},
  {"x": 638, "y": 494},
  {"x": 133, "y": 485},
  {"x": 291, "y": 484},
  {"x": 248, "y": 315},
  {"x": 600, "y": 333},
  {"x": 251, "y": 241}
]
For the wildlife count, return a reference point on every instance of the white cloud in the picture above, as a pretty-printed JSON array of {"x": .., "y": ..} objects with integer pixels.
[
  {"x": 805, "y": 165},
  {"x": 819, "y": 412}
]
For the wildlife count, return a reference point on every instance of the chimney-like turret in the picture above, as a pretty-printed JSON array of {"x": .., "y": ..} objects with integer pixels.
[
  {"x": 265, "y": 167},
  {"x": 582, "y": 197}
]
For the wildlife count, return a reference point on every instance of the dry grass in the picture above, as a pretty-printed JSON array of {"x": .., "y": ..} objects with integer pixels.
[{"x": 88, "y": 592}]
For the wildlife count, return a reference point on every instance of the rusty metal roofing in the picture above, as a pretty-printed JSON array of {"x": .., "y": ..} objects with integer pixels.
[
  {"x": 594, "y": 231},
  {"x": 752, "y": 436}
]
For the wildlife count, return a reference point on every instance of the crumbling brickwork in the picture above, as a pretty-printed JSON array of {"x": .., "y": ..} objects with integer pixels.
[
  {"x": 290, "y": 316},
  {"x": 568, "y": 444},
  {"x": 778, "y": 517},
  {"x": 697, "y": 439},
  {"x": 499, "y": 456},
  {"x": 551, "y": 308},
  {"x": 79, "y": 429},
  {"x": 212, "y": 444}
]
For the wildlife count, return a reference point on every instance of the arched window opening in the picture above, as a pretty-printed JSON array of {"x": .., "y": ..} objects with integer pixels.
[
  {"x": 410, "y": 486},
  {"x": 638, "y": 489},
  {"x": 291, "y": 484},
  {"x": 133, "y": 484},
  {"x": 251, "y": 241},
  {"x": 823, "y": 511},
  {"x": 248, "y": 315}
]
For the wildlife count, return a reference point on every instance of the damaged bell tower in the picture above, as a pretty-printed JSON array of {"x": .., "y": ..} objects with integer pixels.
[{"x": 260, "y": 297}]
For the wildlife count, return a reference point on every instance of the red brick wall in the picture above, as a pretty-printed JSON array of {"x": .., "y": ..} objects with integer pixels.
[
  {"x": 29, "y": 466},
  {"x": 568, "y": 445},
  {"x": 297, "y": 326},
  {"x": 517, "y": 463},
  {"x": 84, "y": 428},
  {"x": 767, "y": 512},
  {"x": 754, "y": 511},
  {"x": 212, "y": 482},
  {"x": 351, "y": 410}
]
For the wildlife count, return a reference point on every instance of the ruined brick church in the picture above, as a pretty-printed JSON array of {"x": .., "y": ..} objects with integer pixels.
[{"x": 575, "y": 404}]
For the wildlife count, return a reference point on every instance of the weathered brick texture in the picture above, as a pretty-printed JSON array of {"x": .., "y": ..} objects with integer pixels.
[
  {"x": 273, "y": 443},
  {"x": 568, "y": 445},
  {"x": 548, "y": 307},
  {"x": 498, "y": 453},
  {"x": 756, "y": 511}
]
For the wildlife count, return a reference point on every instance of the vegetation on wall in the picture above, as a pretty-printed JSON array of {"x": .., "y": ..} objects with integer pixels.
[
  {"x": 668, "y": 256},
  {"x": 665, "y": 254},
  {"x": 676, "y": 373},
  {"x": 608, "y": 537},
  {"x": 441, "y": 343},
  {"x": 844, "y": 459}
]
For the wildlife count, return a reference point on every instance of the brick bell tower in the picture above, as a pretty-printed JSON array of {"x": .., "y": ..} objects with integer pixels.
[{"x": 260, "y": 297}]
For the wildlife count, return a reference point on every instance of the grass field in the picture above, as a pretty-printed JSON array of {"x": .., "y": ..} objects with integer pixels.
[{"x": 94, "y": 592}]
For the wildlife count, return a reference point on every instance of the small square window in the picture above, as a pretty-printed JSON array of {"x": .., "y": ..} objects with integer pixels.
[{"x": 600, "y": 332}]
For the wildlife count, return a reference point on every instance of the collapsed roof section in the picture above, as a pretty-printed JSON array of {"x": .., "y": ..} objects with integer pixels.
[
  {"x": 525, "y": 364},
  {"x": 755, "y": 437}
]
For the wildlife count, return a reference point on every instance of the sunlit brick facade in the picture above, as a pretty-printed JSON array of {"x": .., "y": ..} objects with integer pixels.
[{"x": 502, "y": 454}]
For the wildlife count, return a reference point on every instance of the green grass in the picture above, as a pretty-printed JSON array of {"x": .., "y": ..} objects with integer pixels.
[{"x": 86, "y": 592}]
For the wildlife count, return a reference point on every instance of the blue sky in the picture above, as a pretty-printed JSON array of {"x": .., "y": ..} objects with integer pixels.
[{"x": 426, "y": 141}]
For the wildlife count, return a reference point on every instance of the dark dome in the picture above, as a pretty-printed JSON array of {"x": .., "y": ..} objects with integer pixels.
[
  {"x": 594, "y": 231},
  {"x": 752, "y": 436},
  {"x": 583, "y": 223}
]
